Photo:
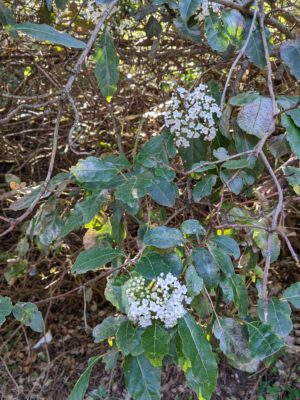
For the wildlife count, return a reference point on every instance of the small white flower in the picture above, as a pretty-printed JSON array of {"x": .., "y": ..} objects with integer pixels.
[
  {"x": 191, "y": 115},
  {"x": 163, "y": 300}
]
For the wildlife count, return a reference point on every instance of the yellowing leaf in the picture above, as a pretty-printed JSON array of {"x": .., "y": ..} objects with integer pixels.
[{"x": 226, "y": 232}]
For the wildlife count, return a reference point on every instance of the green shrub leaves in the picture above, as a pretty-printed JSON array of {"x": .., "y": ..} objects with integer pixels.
[
  {"x": 95, "y": 258},
  {"x": 198, "y": 351},
  {"x": 47, "y": 33}
]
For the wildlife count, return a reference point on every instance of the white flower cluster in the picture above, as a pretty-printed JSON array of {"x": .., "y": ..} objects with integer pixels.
[
  {"x": 163, "y": 299},
  {"x": 191, "y": 115},
  {"x": 205, "y": 6}
]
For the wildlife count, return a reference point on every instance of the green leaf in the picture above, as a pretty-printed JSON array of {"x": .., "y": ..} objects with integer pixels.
[
  {"x": 256, "y": 118},
  {"x": 243, "y": 98},
  {"x": 206, "y": 267},
  {"x": 114, "y": 293},
  {"x": 279, "y": 315},
  {"x": 82, "y": 213},
  {"x": 224, "y": 127},
  {"x": 235, "y": 183},
  {"x": 118, "y": 232},
  {"x": 201, "y": 166},
  {"x": 240, "y": 294},
  {"x": 204, "y": 187},
  {"x": 6, "y": 16},
  {"x": 110, "y": 360},
  {"x": 95, "y": 258},
  {"x": 118, "y": 160},
  {"x": 215, "y": 33},
  {"x": 26, "y": 200},
  {"x": 141, "y": 378},
  {"x": 278, "y": 146},
  {"x": 134, "y": 188},
  {"x": 260, "y": 237},
  {"x": 156, "y": 151},
  {"x": 51, "y": 229},
  {"x": 255, "y": 49},
  {"x": 295, "y": 115},
  {"x": 193, "y": 383},
  {"x": 155, "y": 342},
  {"x": 193, "y": 282},
  {"x": 198, "y": 351},
  {"x": 293, "y": 133},
  {"x": 192, "y": 227},
  {"x": 174, "y": 262},
  {"x": 93, "y": 169},
  {"x": 236, "y": 164},
  {"x": 15, "y": 271},
  {"x": 263, "y": 342},
  {"x": 292, "y": 294},
  {"x": 47, "y": 33},
  {"x": 61, "y": 4},
  {"x": 128, "y": 339},
  {"x": 82, "y": 384},
  {"x": 234, "y": 24},
  {"x": 107, "y": 63},
  {"x": 107, "y": 328},
  {"x": 293, "y": 177},
  {"x": 228, "y": 244},
  {"x": 188, "y": 7},
  {"x": 163, "y": 237},
  {"x": 29, "y": 315},
  {"x": 151, "y": 265},
  {"x": 243, "y": 142},
  {"x": 190, "y": 32},
  {"x": 222, "y": 260},
  {"x": 166, "y": 173},
  {"x": 196, "y": 152},
  {"x": 152, "y": 28},
  {"x": 233, "y": 339},
  {"x": 286, "y": 102},
  {"x": 290, "y": 54},
  {"x": 163, "y": 192},
  {"x": 5, "y": 308}
]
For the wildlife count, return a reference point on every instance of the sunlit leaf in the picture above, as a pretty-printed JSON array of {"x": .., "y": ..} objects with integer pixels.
[{"x": 107, "y": 65}]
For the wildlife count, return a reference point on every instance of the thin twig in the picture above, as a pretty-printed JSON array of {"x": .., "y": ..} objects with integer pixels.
[
  {"x": 86, "y": 327},
  {"x": 20, "y": 219},
  {"x": 269, "y": 20},
  {"x": 25, "y": 106},
  {"x": 207, "y": 163},
  {"x": 117, "y": 128},
  {"x": 267, "y": 57},
  {"x": 85, "y": 52},
  {"x": 274, "y": 224},
  {"x": 10, "y": 375},
  {"x": 240, "y": 54},
  {"x": 128, "y": 261},
  {"x": 65, "y": 93}
]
